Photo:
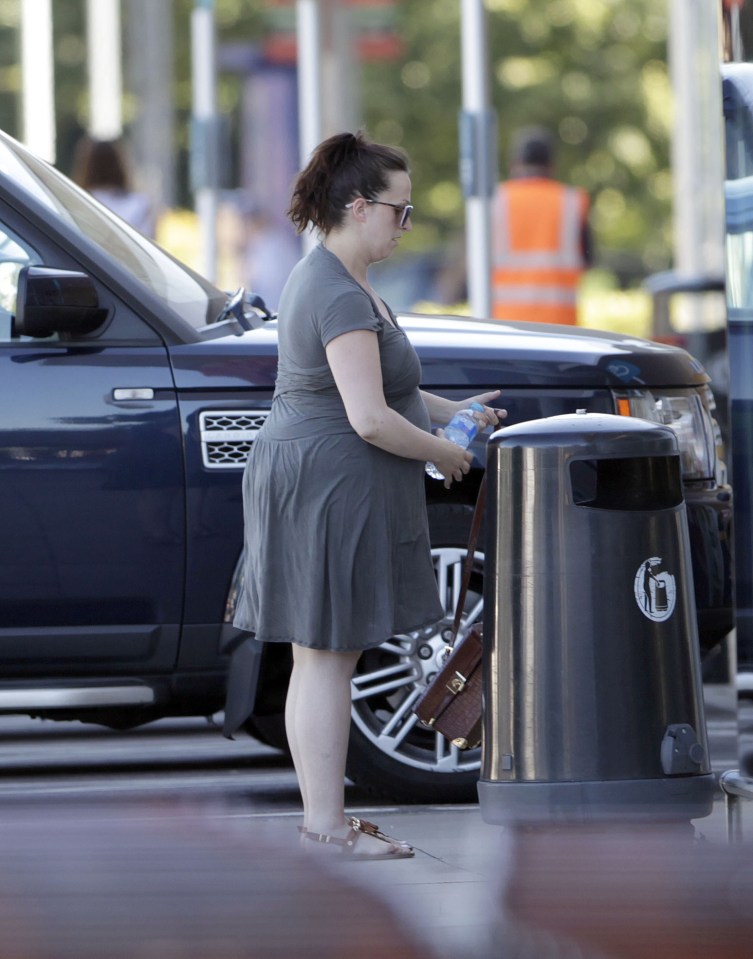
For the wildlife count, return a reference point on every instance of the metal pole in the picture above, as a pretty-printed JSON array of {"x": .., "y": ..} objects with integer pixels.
[
  {"x": 38, "y": 78},
  {"x": 204, "y": 129},
  {"x": 309, "y": 32},
  {"x": 340, "y": 80},
  {"x": 698, "y": 138},
  {"x": 477, "y": 154},
  {"x": 309, "y": 36},
  {"x": 105, "y": 69},
  {"x": 149, "y": 64}
]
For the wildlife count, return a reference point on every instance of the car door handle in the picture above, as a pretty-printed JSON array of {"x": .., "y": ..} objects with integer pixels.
[{"x": 133, "y": 393}]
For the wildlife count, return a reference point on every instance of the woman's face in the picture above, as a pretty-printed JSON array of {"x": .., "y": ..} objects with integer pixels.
[{"x": 386, "y": 212}]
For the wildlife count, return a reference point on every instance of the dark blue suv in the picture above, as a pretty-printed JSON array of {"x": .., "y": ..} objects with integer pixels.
[{"x": 132, "y": 390}]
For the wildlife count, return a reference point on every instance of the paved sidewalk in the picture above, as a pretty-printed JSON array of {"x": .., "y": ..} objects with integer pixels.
[
  {"x": 452, "y": 894},
  {"x": 182, "y": 875},
  {"x": 189, "y": 879},
  {"x": 448, "y": 895}
]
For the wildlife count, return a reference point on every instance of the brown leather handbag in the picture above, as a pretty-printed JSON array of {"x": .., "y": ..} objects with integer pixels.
[{"x": 451, "y": 703}]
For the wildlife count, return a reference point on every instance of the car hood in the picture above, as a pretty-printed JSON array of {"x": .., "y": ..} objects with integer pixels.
[{"x": 461, "y": 351}]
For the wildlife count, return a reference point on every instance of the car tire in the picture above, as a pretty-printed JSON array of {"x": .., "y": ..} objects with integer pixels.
[
  {"x": 391, "y": 755},
  {"x": 269, "y": 730}
]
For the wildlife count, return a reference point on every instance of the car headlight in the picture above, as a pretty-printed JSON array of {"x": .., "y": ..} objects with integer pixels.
[{"x": 689, "y": 413}]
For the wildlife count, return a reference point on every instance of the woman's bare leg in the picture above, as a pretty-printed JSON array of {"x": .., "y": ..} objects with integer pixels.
[
  {"x": 291, "y": 701},
  {"x": 317, "y": 719}
]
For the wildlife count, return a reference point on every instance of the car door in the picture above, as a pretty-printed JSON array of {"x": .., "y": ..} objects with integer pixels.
[{"x": 92, "y": 517}]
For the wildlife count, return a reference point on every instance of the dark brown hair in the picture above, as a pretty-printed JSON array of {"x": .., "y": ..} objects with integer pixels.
[
  {"x": 100, "y": 164},
  {"x": 532, "y": 146},
  {"x": 343, "y": 167}
]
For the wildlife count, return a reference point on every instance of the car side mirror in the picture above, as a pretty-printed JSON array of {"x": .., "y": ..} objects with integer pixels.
[{"x": 50, "y": 301}]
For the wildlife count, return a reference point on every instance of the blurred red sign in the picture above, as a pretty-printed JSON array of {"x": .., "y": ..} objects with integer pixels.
[{"x": 374, "y": 33}]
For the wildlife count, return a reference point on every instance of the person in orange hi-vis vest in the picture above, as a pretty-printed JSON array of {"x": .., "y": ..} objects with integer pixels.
[{"x": 542, "y": 242}]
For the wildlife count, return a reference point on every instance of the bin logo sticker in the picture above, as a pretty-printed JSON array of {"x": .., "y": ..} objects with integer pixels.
[{"x": 655, "y": 590}]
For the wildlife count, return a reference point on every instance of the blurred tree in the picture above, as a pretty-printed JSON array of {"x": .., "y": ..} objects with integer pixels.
[
  {"x": 593, "y": 71},
  {"x": 69, "y": 45},
  {"x": 237, "y": 21},
  {"x": 10, "y": 68}
]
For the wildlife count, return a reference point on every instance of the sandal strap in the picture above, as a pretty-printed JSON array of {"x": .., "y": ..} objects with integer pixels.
[
  {"x": 359, "y": 827},
  {"x": 347, "y": 843},
  {"x": 364, "y": 826},
  {"x": 371, "y": 829}
]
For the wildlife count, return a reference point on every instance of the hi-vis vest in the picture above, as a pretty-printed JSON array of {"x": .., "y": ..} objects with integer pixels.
[{"x": 538, "y": 253}]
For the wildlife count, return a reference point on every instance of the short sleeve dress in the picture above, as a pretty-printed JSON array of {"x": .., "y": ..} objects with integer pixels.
[{"x": 337, "y": 552}]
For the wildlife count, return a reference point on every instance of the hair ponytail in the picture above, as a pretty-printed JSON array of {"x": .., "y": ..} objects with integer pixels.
[{"x": 341, "y": 168}]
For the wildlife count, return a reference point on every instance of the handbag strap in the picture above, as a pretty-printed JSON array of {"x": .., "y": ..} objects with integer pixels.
[{"x": 478, "y": 515}]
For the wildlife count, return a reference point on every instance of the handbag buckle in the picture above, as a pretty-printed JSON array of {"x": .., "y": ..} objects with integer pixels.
[
  {"x": 457, "y": 684},
  {"x": 446, "y": 653}
]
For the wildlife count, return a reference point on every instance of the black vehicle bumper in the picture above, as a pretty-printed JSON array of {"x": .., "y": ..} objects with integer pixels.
[{"x": 709, "y": 512}]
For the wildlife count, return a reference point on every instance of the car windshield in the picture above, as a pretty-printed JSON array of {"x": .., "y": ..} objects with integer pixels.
[{"x": 192, "y": 297}]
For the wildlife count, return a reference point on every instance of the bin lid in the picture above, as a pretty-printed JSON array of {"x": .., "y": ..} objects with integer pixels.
[{"x": 604, "y": 434}]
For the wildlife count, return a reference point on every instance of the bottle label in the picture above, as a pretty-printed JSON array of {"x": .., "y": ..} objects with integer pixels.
[{"x": 463, "y": 429}]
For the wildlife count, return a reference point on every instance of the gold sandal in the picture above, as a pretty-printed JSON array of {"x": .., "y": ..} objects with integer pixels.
[
  {"x": 359, "y": 827},
  {"x": 370, "y": 829}
]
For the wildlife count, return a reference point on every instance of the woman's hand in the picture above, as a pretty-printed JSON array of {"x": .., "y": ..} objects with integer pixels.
[
  {"x": 441, "y": 410},
  {"x": 492, "y": 416},
  {"x": 453, "y": 462}
]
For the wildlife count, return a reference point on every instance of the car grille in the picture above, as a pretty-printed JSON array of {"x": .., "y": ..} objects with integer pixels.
[{"x": 227, "y": 436}]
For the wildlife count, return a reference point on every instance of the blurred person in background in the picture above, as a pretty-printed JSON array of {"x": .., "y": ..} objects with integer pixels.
[
  {"x": 270, "y": 252},
  {"x": 541, "y": 238},
  {"x": 101, "y": 167}
]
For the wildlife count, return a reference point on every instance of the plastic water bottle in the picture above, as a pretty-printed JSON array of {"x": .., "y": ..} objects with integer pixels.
[{"x": 461, "y": 430}]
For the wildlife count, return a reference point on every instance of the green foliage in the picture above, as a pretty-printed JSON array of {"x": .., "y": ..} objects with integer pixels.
[
  {"x": 592, "y": 71},
  {"x": 10, "y": 70}
]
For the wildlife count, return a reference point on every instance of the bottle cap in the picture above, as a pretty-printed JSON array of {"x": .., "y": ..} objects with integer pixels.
[{"x": 477, "y": 407}]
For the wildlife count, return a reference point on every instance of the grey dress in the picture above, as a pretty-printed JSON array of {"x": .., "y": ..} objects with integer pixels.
[{"x": 336, "y": 535}]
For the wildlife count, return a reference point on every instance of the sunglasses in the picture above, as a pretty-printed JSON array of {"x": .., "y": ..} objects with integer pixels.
[{"x": 405, "y": 210}]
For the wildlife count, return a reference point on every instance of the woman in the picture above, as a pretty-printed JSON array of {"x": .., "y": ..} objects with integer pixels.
[{"x": 337, "y": 544}]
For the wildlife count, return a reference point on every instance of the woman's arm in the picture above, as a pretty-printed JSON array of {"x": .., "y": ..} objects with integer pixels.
[
  {"x": 441, "y": 410},
  {"x": 354, "y": 360}
]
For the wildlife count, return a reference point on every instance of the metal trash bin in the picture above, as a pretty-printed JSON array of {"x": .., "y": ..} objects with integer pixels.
[{"x": 592, "y": 680}]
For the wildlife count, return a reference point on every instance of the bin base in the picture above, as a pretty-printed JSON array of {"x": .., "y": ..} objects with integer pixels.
[{"x": 645, "y": 800}]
